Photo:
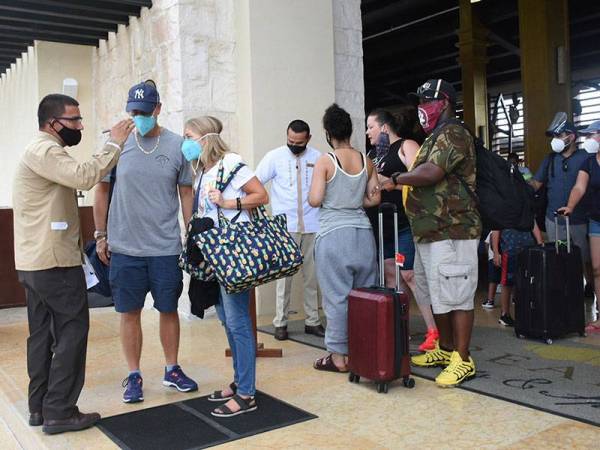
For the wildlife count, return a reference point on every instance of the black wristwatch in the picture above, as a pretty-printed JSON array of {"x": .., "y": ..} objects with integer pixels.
[{"x": 394, "y": 177}]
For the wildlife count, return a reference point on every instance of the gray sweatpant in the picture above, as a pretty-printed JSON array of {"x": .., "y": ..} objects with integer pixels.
[{"x": 345, "y": 259}]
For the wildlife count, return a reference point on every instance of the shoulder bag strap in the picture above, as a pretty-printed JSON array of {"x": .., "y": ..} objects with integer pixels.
[
  {"x": 222, "y": 185},
  {"x": 197, "y": 194}
]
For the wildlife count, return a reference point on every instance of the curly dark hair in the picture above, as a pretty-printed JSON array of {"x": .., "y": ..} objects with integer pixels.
[{"x": 337, "y": 123}]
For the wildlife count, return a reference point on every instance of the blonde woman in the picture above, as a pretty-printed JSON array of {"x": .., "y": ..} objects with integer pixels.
[{"x": 207, "y": 152}]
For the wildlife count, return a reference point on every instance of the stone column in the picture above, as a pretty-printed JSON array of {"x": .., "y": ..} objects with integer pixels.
[
  {"x": 545, "y": 70},
  {"x": 473, "y": 59},
  {"x": 349, "y": 74}
]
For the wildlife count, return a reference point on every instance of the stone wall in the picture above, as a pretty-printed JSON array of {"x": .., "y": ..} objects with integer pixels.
[
  {"x": 186, "y": 47},
  {"x": 148, "y": 48},
  {"x": 349, "y": 79}
]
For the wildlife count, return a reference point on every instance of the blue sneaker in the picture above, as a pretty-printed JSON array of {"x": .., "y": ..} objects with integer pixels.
[
  {"x": 177, "y": 379},
  {"x": 133, "y": 392}
]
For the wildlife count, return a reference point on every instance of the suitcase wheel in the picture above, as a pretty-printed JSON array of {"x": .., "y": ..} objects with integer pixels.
[
  {"x": 549, "y": 341},
  {"x": 382, "y": 388},
  {"x": 408, "y": 382},
  {"x": 353, "y": 378}
]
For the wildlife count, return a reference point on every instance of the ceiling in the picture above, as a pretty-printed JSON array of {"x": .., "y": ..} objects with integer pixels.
[
  {"x": 405, "y": 42},
  {"x": 82, "y": 22}
]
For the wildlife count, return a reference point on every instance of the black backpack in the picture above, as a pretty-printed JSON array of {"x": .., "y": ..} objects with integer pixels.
[{"x": 503, "y": 197}]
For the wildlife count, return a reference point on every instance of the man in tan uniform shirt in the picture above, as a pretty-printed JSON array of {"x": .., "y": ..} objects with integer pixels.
[{"x": 48, "y": 259}]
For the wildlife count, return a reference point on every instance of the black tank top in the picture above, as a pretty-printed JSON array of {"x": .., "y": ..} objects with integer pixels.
[{"x": 386, "y": 166}]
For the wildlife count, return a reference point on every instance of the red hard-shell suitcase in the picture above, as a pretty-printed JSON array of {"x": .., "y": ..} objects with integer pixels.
[{"x": 378, "y": 327}]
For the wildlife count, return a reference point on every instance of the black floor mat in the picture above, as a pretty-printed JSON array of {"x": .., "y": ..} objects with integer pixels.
[{"x": 189, "y": 424}]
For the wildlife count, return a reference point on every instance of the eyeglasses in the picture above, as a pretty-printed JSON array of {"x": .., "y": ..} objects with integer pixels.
[{"x": 78, "y": 119}]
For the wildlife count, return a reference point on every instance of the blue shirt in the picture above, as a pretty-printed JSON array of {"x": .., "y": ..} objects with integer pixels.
[
  {"x": 560, "y": 183},
  {"x": 592, "y": 168}
]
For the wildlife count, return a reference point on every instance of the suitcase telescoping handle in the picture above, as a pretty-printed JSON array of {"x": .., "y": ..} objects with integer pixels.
[
  {"x": 394, "y": 209},
  {"x": 556, "y": 213}
]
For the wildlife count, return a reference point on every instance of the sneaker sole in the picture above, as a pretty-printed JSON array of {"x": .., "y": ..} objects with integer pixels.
[
  {"x": 133, "y": 400},
  {"x": 439, "y": 364},
  {"x": 241, "y": 411},
  {"x": 488, "y": 306},
  {"x": 171, "y": 384},
  {"x": 467, "y": 378}
]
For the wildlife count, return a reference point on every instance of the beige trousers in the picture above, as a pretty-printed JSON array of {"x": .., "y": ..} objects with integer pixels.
[{"x": 306, "y": 242}]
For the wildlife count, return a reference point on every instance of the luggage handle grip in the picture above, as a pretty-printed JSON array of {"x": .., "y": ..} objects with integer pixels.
[
  {"x": 556, "y": 214},
  {"x": 394, "y": 209},
  {"x": 387, "y": 205}
]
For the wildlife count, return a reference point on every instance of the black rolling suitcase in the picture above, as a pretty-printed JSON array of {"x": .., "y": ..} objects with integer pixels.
[{"x": 549, "y": 291}]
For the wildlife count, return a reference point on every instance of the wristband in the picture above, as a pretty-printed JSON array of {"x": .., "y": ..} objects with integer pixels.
[
  {"x": 99, "y": 234},
  {"x": 395, "y": 177},
  {"x": 238, "y": 204}
]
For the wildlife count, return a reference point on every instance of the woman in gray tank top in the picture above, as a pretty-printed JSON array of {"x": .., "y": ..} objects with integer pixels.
[{"x": 343, "y": 184}]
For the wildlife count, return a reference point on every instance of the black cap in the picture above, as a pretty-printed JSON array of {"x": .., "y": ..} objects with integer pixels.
[
  {"x": 560, "y": 125},
  {"x": 436, "y": 89}
]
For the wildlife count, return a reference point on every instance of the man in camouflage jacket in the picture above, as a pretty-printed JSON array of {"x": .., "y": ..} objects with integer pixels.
[{"x": 446, "y": 227}]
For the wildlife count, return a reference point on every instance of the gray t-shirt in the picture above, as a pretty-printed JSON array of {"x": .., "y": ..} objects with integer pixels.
[{"x": 144, "y": 210}]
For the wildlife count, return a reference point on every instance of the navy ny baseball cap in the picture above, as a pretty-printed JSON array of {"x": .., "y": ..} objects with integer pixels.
[
  {"x": 592, "y": 128},
  {"x": 436, "y": 89},
  {"x": 142, "y": 97}
]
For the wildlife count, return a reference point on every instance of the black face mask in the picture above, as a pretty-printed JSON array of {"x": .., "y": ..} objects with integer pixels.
[
  {"x": 296, "y": 149},
  {"x": 69, "y": 136}
]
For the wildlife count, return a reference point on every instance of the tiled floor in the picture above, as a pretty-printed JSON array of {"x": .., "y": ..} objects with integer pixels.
[{"x": 350, "y": 416}]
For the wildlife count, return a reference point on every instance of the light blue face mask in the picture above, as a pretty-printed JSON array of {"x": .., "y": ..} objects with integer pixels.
[
  {"x": 192, "y": 149},
  {"x": 144, "y": 124}
]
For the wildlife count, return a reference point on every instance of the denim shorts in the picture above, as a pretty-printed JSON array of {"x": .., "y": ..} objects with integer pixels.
[
  {"x": 594, "y": 228},
  {"x": 406, "y": 247},
  {"x": 132, "y": 277}
]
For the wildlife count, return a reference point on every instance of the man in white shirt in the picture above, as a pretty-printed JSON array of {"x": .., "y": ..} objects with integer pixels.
[{"x": 290, "y": 169}]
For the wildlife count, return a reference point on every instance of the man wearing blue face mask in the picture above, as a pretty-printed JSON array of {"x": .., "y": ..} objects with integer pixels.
[
  {"x": 142, "y": 242},
  {"x": 558, "y": 173}
]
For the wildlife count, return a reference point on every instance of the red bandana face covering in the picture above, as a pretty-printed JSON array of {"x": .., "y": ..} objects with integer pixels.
[{"x": 429, "y": 114}]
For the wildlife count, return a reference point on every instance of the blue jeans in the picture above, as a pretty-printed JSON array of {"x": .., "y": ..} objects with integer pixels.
[{"x": 234, "y": 314}]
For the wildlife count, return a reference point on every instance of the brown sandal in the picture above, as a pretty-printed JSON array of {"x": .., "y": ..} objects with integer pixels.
[{"x": 326, "y": 364}]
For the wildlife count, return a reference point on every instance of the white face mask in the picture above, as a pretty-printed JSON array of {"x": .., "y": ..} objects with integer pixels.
[
  {"x": 558, "y": 145},
  {"x": 591, "y": 145}
]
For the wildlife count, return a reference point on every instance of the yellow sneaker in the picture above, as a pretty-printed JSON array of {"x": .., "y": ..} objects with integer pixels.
[
  {"x": 436, "y": 357},
  {"x": 456, "y": 372}
]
